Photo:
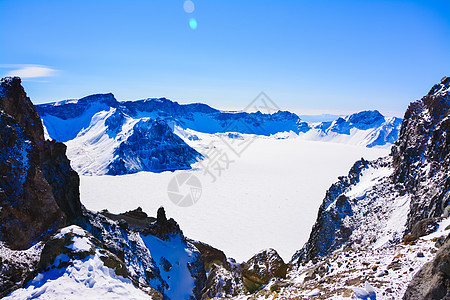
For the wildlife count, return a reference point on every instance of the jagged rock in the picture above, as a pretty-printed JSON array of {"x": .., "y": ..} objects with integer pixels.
[
  {"x": 329, "y": 232},
  {"x": 38, "y": 189},
  {"x": 137, "y": 214},
  {"x": 224, "y": 277},
  {"x": 425, "y": 141},
  {"x": 432, "y": 282},
  {"x": 135, "y": 220},
  {"x": 152, "y": 146},
  {"x": 163, "y": 228},
  {"x": 211, "y": 256},
  {"x": 73, "y": 245},
  {"x": 223, "y": 282},
  {"x": 126, "y": 244},
  {"x": 62, "y": 178},
  {"x": 259, "y": 269},
  {"x": 425, "y": 227},
  {"x": 15, "y": 266},
  {"x": 419, "y": 160}
]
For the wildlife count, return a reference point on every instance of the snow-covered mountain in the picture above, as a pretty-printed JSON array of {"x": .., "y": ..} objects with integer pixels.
[
  {"x": 396, "y": 199},
  {"x": 366, "y": 128},
  {"x": 105, "y": 136},
  {"x": 382, "y": 232}
]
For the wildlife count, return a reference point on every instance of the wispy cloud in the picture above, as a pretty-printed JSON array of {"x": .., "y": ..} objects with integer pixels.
[{"x": 30, "y": 71}]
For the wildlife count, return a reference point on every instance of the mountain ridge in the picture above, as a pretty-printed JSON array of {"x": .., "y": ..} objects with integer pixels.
[
  {"x": 388, "y": 217},
  {"x": 100, "y": 121}
]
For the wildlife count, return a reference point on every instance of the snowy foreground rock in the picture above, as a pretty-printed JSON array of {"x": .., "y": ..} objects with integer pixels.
[
  {"x": 382, "y": 231},
  {"x": 105, "y": 136}
]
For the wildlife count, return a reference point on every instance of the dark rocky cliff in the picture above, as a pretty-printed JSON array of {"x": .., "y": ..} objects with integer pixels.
[
  {"x": 420, "y": 170},
  {"x": 421, "y": 154},
  {"x": 38, "y": 188}
]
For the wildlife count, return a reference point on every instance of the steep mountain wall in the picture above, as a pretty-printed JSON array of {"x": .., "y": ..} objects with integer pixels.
[
  {"x": 381, "y": 201},
  {"x": 421, "y": 154},
  {"x": 38, "y": 188}
]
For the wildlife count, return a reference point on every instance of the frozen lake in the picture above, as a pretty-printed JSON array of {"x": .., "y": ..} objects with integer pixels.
[{"x": 268, "y": 197}]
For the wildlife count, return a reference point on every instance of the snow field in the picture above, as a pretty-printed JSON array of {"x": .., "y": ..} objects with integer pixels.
[{"x": 267, "y": 198}]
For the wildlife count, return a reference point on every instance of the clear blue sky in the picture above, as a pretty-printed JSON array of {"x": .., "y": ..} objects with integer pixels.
[{"x": 308, "y": 56}]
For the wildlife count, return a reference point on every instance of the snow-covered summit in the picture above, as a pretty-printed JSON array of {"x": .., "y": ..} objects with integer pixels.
[
  {"x": 366, "y": 128},
  {"x": 96, "y": 129}
]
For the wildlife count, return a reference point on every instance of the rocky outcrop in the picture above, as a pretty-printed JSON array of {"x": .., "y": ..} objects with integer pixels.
[
  {"x": 359, "y": 210},
  {"x": 263, "y": 266},
  {"x": 224, "y": 281},
  {"x": 73, "y": 249},
  {"x": 432, "y": 282},
  {"x": 329, "y": 231},
  {"x": 421, "y": 154},
  {"x": 137, "y": 240},
  {"x": 38, "y": 189},
  {"x": 152, "y": 146},
  {"x": 211, "y": 256}
]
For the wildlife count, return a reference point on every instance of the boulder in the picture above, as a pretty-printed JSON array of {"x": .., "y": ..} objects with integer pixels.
[
  {"x": 259, "y": 269},
  {"x": 425, "y": 227},
  {"x": 210, "y": 255},
  {"x": 432, "y": 282},
  {"x": 223, "y": 282}
]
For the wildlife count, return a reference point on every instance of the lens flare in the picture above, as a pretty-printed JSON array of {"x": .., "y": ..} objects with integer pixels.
[
  {"x": 188, "y": 6},
  {"x": 193, "y": 23}
]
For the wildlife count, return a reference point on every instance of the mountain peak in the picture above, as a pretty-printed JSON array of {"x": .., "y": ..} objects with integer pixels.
[
  {"x": 6, "y": 83},
  {"x": 366, "y": 117},
  {"x": 442, "y": 88},
  {"x": 107, "y": 99}
]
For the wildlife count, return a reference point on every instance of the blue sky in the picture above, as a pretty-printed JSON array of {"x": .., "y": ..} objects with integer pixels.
[{"x": 308, "y": 56}]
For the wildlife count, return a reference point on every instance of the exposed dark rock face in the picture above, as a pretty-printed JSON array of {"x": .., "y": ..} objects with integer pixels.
[
  {"x": 420, "y": 162},
  {"x": 126, "y": 244},
  {"x": 421, "y": 154},
  {"x": 123, "y": 234},
  {"x": 224, "y": 276},
  {"x": 259, "y": 269},
  {"x": 329, "y": 232},
  {"x": 152, "y": 147},
  {"x": 424, "y": 227},
  {"x": 211, "y": 256},
  {"x": 61, "y": 244},
  {"x": 15, "y": 267},
  {"x": 38, "y": 188},
  {"x": 62, "y": 178},
  {"x": 223, "y": 281},
  {"x": 163, "y": 228},
  {"x": 432, "y": 282}
]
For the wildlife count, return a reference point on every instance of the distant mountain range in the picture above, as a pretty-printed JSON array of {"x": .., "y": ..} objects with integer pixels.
[
  {"x": 105, "y": 136},
  {"x": 382, "y": 232}
]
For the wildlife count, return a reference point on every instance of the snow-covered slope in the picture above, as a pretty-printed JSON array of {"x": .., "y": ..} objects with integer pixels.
[
  {"x": 105, "y": 136},
  {"x": 82, "y": 271},
  {"x": 366, "y": 128}
]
